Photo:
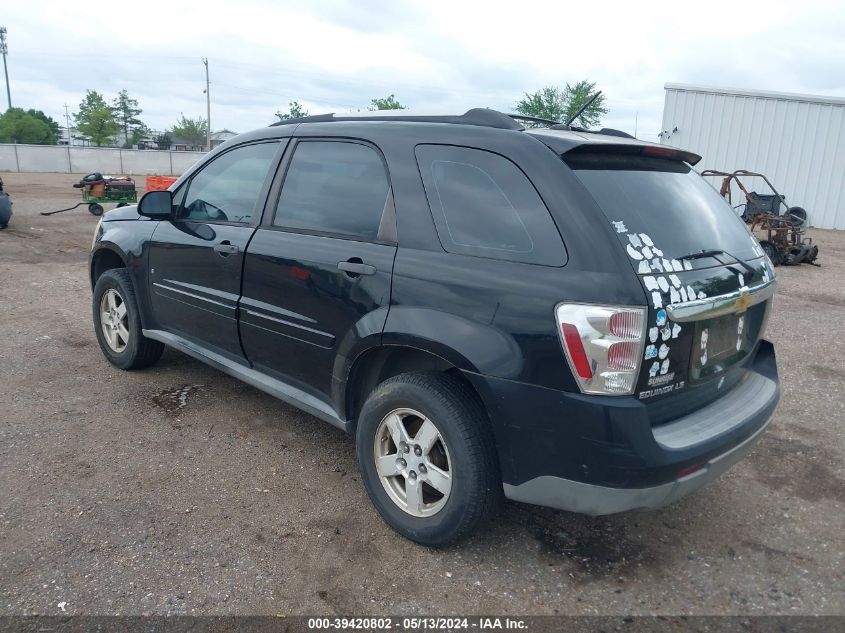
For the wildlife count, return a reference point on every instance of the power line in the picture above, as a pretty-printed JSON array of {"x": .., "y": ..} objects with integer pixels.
[
  {"x": 287, "y": 71},
  {"x": 278, "y": 69},
  {"x": 283, "y": 96}
]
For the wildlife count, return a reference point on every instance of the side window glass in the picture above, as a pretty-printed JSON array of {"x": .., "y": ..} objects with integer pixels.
[
  {"x": 226, "y": 190},
  {"x": 483, "y": 205},
  {"x": 334, "y": 187}
]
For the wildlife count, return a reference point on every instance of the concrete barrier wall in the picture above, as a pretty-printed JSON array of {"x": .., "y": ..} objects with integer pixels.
[
  {"x": 146, "y": 162},
  {"x": 42, "y": 158},
  {"x": 85, "y": 160},
  {"x": 8, "y": 162},
  {"x": 183, "y": 160}
]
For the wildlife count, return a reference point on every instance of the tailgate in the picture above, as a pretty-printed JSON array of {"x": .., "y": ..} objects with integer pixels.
[
  {"x": 706, "y": 279},
  {"x": 702, "y": 323}
]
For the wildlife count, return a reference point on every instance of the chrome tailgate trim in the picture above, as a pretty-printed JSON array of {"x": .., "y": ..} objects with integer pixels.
[{"x": 733, "y": 302}]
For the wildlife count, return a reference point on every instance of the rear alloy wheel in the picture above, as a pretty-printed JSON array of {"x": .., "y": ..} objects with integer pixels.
[
  {"x": 427, "y": 457},
  {"x": 413, "y": 462}
]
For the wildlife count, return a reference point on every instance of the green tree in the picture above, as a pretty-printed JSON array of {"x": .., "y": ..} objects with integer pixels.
[
  {"x": 561, "y": 104},
  {"x": 163, "y": 140},
  {"x": 388, "y": 103},
  {"x": 53, "y": 125},
  {"x": 126, "y": 113},
  {"x": 295, "y": 111},
  {"x": 192, "y": 130},
  {"x": 95, "y": 119},
  {"x": 19, "y": 126},
  {"x": 138, "y": 134}
]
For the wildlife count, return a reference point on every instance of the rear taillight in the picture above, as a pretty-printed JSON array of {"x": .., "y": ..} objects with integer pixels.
[{"x": 603, "y": 345}]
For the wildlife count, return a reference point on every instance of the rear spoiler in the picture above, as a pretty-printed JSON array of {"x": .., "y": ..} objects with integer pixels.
[{"x": 633, "y": 149}]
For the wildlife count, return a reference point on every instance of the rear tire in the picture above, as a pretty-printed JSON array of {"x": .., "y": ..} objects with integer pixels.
[
  {"x": 95, "y": 209},
  {"x": 455, "y": 486},
  {"x": 117, "y": 322}
]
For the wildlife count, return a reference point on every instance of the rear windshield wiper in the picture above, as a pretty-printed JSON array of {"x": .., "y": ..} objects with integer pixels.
[{"x": 714, "y": 253}]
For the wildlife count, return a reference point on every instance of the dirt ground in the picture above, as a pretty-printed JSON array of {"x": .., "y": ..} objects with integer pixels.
[{"x": 180, "y": 490}]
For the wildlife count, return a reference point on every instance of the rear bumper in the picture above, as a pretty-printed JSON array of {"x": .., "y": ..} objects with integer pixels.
[
  {"x": 602, "y": 455},
  {"x": 575, "y": 496}
]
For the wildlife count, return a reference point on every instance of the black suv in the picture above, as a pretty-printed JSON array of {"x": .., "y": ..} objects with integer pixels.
[{"x": 563, "y": 318}]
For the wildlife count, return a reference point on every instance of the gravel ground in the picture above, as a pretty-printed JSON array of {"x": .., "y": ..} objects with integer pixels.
[{"x": 180, "y": 490}]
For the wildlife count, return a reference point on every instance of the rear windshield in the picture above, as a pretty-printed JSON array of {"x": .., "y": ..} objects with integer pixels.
[{"x": 678, "y": 211}]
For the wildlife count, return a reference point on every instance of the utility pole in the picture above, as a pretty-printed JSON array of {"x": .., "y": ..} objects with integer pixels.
[
  {"x": 4, "y": 48},
  {"x": 67, "y": 125},
  {"x": 207, "y": 106}
]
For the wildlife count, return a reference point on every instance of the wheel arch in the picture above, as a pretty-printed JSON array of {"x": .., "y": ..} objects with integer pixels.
[
  {"x": 107, "y": 257},
  {"x": 378, "y": 363}
]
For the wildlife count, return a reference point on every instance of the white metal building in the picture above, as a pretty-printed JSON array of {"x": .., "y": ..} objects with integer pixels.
[{"x": 797, "y": 140}]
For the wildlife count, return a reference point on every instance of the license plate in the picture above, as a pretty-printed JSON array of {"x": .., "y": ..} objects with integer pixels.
[{"x": 719, "y": 343}]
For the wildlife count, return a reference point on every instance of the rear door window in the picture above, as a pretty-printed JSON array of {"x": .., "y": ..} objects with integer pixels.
[
  {"x": 484, "y": 205},
  {"x": 334, "y": 187}
]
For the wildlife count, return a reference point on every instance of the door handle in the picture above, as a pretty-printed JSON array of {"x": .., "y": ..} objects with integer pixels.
[
  {"x": 224, "y": 248},
  {"x": 355, "y": 267}
]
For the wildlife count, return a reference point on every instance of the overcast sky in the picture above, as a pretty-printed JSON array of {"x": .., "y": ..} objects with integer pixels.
[{"x": 336, "y": 55}]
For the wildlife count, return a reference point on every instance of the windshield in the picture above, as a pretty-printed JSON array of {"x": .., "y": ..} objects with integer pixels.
[{"x": 666, "y": 200}]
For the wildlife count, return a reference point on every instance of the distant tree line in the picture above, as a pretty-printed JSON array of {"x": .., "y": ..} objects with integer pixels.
[
  {"x": 28, "y": 126},
  {"x": 552, "y": 103},
  {"x": 114, "y": 123},
  {"x": 119, "y": 121},
  {"x": 103, "y": 123},
  {"x": 296, "y": 111}
]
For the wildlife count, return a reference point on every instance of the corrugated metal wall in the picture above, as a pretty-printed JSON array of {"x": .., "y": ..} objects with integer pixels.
[{"x": 798, "y": 141}]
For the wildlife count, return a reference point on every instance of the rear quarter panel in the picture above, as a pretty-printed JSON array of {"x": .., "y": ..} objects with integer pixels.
[{"x": 496, "y": 317}]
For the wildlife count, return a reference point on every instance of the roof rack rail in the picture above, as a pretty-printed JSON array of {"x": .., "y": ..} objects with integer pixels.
[{"x": 483, "y": 117}]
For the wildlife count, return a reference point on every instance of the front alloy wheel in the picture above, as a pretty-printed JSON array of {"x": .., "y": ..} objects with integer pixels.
[
  {"x": 413, "y": 463},
  {"x": 114, "y": 320},
  {"x": 117, "y": 322}
]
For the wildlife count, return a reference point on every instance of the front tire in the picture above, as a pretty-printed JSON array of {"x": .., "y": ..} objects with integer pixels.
[
  {"x": 427, "y": 458},
  {"x": 117, "y": 322}
]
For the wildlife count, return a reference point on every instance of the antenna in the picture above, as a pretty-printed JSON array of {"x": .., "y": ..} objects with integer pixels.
[
  {"x": 584, "y": 107},
  {"x": 4, "y": 49}
]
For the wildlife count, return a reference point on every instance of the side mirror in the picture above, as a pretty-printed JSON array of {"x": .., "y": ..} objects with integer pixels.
[{"x": 157, "y": 205}]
